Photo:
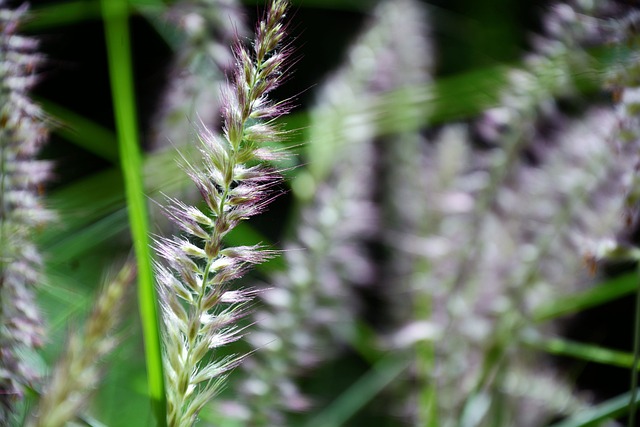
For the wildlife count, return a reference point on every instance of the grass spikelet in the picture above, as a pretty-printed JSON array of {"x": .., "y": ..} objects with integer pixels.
[{"x": 199, "y": 309}]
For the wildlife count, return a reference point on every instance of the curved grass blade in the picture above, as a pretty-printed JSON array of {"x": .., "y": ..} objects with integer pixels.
[
  {"x": 361, "y": 392},
  {"x": 606, "y": 291},
  {"x": 83, "y": 132},
  {"x": 577, "y": 350},
  {"x": 610, "y": 409}
]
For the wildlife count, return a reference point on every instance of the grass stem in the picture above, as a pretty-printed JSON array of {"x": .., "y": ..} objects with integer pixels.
[
  {"x": 120, "y": 73},
  {"x": 636, "y": 356}
]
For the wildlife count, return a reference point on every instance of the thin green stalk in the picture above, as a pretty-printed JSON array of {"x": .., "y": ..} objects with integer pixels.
[
  {"x": 115, "y": 14},
  {"x": 636, "y": 356}
]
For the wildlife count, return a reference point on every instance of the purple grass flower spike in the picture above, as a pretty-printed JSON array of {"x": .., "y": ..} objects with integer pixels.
[
  {"x": 200, "y": 312},
  {"x": 22, "y": 132}
]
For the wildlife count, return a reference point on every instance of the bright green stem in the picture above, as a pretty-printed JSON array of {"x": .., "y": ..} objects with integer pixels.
[
  {"x": 115, "y": 13},
  {"x": 636, "y": 356}
]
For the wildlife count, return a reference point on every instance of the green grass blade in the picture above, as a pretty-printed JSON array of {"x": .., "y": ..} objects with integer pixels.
[
  {"x": 73, "y": 11},
  {"x": 83, "y": 132},
  {"x": 77, "y": 244},
  {"x": 63, "y": 13},
  {"x": 588, "y": 352},
  {"x": 605, "y": 411},
  {"x": 636, "y": 358},
  {"x": 120, "y": 72},
  {"x": 81, "y": 204},
  {"x": 361, "y": 392},
  {"x": 608, "y": 290}
]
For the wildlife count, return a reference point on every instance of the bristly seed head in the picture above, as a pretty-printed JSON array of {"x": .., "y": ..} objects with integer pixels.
[{"x": 199, "y": 311}]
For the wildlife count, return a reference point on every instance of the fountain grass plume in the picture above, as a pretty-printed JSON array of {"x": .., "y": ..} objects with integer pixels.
[
  {"x": 22, "y": 133},
  {"x": 312, "y": 305},
  {"x": 476, "y": 214},
  {"x": 312, "y": 309},
  {"x": 203, "y": 56},
  {"x": 77, "y": 373},
  {"x": 199, "y": 310},
  {"x": 475, "y": 327}
]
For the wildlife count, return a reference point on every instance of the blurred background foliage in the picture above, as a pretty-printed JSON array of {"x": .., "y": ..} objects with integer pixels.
[{"x": 475, "y": 44}]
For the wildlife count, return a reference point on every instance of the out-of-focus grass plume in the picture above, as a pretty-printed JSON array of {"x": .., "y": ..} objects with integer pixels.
[
  {"x": 22, "y": 133},
  {"x": 312, "y": 308},
  {"x": 77, "y": 373},
  {"x": 204, "y": 55},
  {"x": 504, "y": 228}
]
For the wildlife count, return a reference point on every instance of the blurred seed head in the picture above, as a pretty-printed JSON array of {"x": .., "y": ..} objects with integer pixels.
[{"x": 22, "y": 132}]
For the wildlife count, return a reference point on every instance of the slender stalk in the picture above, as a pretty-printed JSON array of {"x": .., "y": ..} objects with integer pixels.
[
  {"x": 636, "y": 358},
  {"x": 120, "y": 72}
]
